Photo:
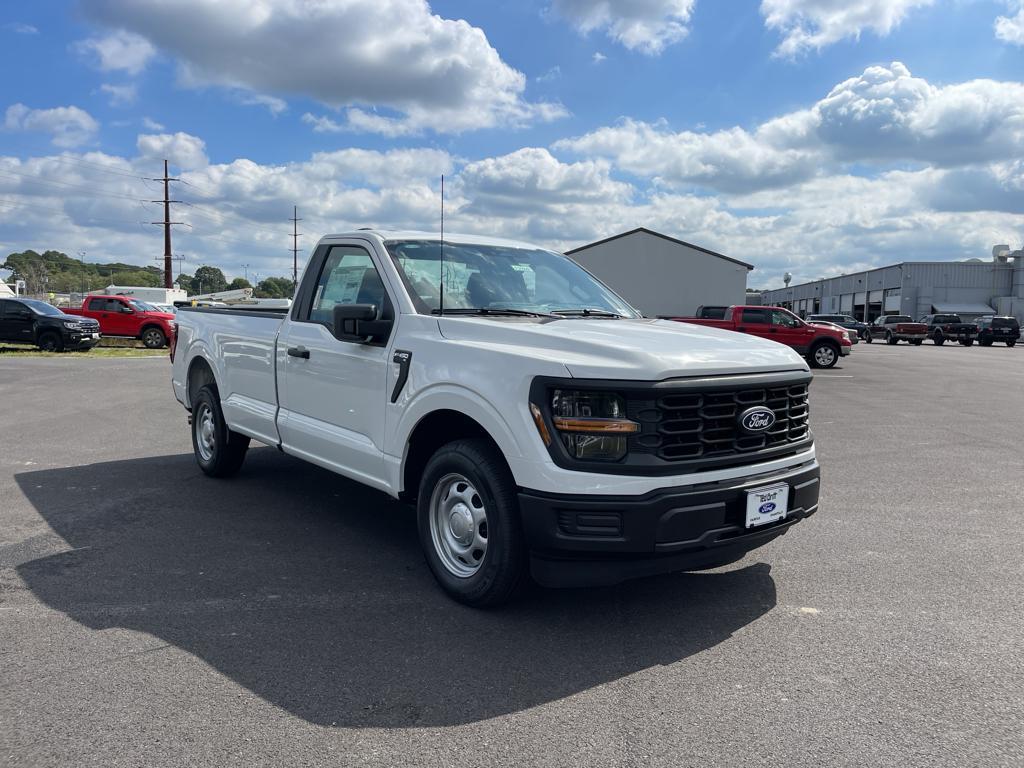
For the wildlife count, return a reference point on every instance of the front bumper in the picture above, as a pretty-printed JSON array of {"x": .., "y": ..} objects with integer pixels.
[
  {"x": 845, "y": 349},
  {"x": 580, "y": 540}
]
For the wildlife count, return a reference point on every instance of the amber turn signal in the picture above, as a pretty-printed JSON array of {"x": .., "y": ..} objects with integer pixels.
[
  {"x": 596, "y": 426},
  {"x": 538, "y": 419}
]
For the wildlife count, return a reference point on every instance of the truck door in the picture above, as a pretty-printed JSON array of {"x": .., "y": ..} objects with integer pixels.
[
  {"x": 16, "y": 322},
  {"x": 122, "y": 318},
  {"x": 756, "y": 322},
  {"x": 99, "y": 310},
  {"x": 790, "y": 330},
  {"x": 333, "y": 393}
]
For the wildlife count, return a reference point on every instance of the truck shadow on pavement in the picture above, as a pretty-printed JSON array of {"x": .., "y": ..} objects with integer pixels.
[{"x": 311, "y": 592}]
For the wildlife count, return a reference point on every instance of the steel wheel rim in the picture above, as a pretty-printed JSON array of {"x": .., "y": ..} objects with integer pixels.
[
  {"x": 458, "y": 525},
  {"x": 824, "y": 356},
  {"x": 206, "y": 439},
  {"x": 152, "y": 338}
]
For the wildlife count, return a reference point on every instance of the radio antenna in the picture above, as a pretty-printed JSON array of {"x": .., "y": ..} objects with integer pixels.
[{"x": 440, "y": 304}]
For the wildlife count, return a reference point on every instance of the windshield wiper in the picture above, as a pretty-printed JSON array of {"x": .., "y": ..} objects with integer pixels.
[
  {"x": 506, "y": 311},
  {"x": 586, "y": 312}
]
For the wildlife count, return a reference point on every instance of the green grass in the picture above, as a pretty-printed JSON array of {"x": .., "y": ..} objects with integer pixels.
[{"x": 106, "y": 348}]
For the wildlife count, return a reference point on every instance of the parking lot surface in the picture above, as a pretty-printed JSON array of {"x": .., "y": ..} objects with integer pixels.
[{"x": 152, "y": 616}]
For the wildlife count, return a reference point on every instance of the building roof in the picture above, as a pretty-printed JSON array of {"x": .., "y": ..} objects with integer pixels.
[
  {"x": 647, "y": 231},
  {"x": 963, "y": 309}
]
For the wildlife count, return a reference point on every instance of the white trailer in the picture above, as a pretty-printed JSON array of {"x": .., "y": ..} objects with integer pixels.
[{"x": 144, "y": 293}]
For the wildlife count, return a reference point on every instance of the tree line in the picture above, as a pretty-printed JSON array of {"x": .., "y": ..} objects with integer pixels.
[{"x": 56, "y": 272}]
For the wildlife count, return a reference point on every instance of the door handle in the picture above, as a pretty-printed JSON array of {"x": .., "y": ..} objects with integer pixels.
[
  {"x": 773, "y": 330},
  {"x": 299, "y": 352}
]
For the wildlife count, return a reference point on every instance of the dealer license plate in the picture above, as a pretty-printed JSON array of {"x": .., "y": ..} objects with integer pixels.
[{"x": 766, "y": 505}]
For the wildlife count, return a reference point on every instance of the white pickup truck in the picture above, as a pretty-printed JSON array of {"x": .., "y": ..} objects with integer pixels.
[{"x": 540, "y": 424}]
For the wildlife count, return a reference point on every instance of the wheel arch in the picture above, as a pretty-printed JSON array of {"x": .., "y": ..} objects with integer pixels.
[
  {"x": 431, "y": 431},
  {"x": 200, "y": 373}
]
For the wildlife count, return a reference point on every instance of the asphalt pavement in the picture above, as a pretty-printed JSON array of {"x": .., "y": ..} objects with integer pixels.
[{"x": 151, "y": 616}]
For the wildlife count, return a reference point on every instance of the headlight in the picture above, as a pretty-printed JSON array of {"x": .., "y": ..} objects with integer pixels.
[
  {"x": 592, "y": 425},
  {"x": 72, "y": 324}
]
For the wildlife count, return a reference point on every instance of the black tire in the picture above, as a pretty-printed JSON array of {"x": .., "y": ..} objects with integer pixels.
[
  {"x": 985, "y": 342},
  {"x": 917, "y": 342},
  {"x": 500, "y": 570},
  {"x": 51, "y": 342},
  {"x": 153, "y": 338},
  {"x": 824, "y": 354},
  {"x": 890, "y": 339},
  {"x": 966, "y": 342},
  {"x": 938, "y": 338},
  {"x": 868, "y": 338},
  {"x": 218, "y": 450},
  {"x": 1009, "y": 342}
]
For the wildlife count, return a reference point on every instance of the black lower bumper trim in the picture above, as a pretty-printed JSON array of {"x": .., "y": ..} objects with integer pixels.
[{"x": 586, "y": 540}]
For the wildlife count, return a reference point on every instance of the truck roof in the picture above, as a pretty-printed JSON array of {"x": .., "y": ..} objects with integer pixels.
[{"x": 449, "y": 237}]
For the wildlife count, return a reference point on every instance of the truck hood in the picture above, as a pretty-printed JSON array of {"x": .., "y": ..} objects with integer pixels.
[{"x": 640, "y": 349}]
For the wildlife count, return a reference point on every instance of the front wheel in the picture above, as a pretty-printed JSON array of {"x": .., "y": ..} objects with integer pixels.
[
  {"x": 219, "y": 451},
  {"x": 468, "y": 519},
  {"x": 868, "y": 338},
  {"x": 51, "y": 342},
  {"x": 939, "y": 339},
  {"x": 1010, "y": 342},
  {"x": 824, "y": 356},
  {"x": 154, "y": 338}
]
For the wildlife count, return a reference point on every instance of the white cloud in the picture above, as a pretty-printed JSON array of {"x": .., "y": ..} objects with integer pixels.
[
  {"x": 1010, "y": 29},
  {"x": 599, "y": 57},
  {"x": 648, "y": 26},
  {"x": 181, "y": 149},
  {"x": 118, "y": 51},
  {"x": 882, "y": 116},
  {"x": 151, "y": 125},
  {"x": 120, "y": 95},
  {"x": 273, "y": 104},
  {"x": 21, "y": 29},
  {"x": 434, "y": 73},
  {"x": 67, "y": 126},
  {"x": 814, "y": 24}
]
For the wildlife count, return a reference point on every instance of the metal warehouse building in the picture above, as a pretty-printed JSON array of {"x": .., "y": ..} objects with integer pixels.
[
  {"x": 660, "y": 275},
  {"x": 916, "y": 288}
]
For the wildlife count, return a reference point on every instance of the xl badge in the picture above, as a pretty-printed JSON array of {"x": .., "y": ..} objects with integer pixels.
[{"x": 757, "y": 419}]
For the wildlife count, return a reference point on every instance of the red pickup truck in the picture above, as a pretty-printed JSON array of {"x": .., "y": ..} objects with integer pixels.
[
  {"x": 125, "y": 316},
  {"x": 821, "y": 346}
]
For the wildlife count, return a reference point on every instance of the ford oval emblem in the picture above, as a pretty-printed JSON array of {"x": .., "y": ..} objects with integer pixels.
[
  {"x": 757, "y": 419},
  {"x": 766, "y": 508}
]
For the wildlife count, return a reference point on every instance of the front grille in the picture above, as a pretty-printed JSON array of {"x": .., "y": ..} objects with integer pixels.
[{"x": 693, "y": 425}]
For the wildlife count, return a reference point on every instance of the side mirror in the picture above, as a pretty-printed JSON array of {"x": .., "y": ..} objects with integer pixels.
[
  {"x": 127, "y": 310},
  {"x": 359, "y": 323}
]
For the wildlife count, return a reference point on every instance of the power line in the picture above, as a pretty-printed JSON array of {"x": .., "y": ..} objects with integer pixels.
[{"x": 92, "y": 191}]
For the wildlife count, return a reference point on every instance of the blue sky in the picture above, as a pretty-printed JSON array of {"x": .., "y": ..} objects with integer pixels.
[{"x": 810, "y": 136}]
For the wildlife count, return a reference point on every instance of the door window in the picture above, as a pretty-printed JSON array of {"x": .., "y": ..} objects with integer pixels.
[
  {"x": 755, "y": 316},
  {"x": 348, "y": 277},
  {"x": 101, "y": 305},
  {"x": 784, "y": 319}
]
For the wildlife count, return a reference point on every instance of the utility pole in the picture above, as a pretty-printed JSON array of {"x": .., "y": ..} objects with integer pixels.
[
  {"x": 295, "y": 245},
  {"x": 168, "y": 277},
  {"x": 246, "y": 268}
]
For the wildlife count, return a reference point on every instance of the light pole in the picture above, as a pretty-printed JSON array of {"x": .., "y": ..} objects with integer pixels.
[{"x": 81, "y": 256}]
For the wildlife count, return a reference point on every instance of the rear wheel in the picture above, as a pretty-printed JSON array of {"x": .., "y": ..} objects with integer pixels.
[
  {"x": 1009, "y": 342},
  {"x": 154, "y": 338},
  {"x": 824, "y": 355},
  {"x": 468, "y": 519},
  {"x": 219, "y": 451},
  {"x": 868, "y": 338},
  {"x": 938, "y": 338},
  {"x": 51, "y": 342},
  {"x": 890, "y": 339}
]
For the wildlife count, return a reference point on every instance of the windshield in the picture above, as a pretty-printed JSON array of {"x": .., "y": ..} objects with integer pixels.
[
  {"x": 499, "y": 277},
  {"x": 141, "y": 306},
  {"x": 41, "y": 307}
]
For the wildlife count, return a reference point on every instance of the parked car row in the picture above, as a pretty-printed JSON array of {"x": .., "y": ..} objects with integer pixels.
[{"x": 938, "y": 328}]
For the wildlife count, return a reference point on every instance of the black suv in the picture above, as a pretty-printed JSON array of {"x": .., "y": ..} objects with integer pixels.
[
  {"x": 847, "y": 322},
  {"x": 27, "y": 321},
  {"x": 994, "y": 328}
]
